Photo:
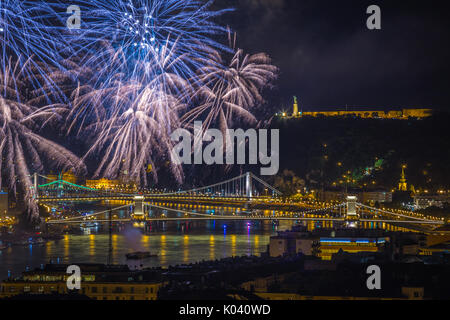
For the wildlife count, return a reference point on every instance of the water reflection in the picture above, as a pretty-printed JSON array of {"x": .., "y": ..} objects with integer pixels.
[
  {"x": 163, "y": 252},
  {"x": 173, "y": 242},
  {"x": 92, "y": 245}
]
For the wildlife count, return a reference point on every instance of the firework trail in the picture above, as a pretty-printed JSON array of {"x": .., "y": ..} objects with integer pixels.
[
  {"x": 20, "y": 148},
  {"x": 141, "y": 29},
  {"x": 231, "y": 90},
  {"x": 132, "y": 122},
  {"x": 137, "y": 72},
  {"x": 29, "y": 35},
  {"x": 30, "y": 50}
]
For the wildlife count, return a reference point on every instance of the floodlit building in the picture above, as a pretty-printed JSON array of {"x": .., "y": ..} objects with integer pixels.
[
  {"x": 68, "y": 176},
  {"x": 99, "y": 282},
  {"x": 369, "y": 196},
  {"x": 324, "y": 243},
  {"x": 103, "y": 184},
  {"x": 360, "y": 112},
  {"x": 402, "y": 114},
  {"x": 330, "y": 246},
  {"x": 373, "y": 196},
  {"x": 426, "y": 201}
]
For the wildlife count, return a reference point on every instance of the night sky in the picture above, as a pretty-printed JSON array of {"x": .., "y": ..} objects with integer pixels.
[{"x": 328, "y": 58}]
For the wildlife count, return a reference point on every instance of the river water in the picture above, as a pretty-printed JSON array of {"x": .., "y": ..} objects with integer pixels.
[{"x": 174, "y": 243}]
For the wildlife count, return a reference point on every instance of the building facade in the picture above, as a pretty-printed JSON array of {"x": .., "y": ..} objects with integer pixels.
[
  {"x": 103, "y": 184},
  {"x": 360, "y": 112},
  {"x": 365, "y": 196},
  {"x": 99, "y": 282}
]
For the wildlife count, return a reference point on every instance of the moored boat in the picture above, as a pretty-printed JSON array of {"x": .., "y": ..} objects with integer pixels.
[{"x": 140, "y": 255}]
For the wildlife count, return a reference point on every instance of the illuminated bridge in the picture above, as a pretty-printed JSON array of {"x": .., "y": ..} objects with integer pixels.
[
  {"x": 245, "y": 191},
  {"x": 242, "y": 188}
]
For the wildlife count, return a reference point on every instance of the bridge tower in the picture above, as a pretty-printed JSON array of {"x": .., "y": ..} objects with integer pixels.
[
  {"x": 351, "y": 208},
  {"x": 35, "y": 185},
  {"x": 139, "y": 206},
  {"x": 248, "y": 185}
]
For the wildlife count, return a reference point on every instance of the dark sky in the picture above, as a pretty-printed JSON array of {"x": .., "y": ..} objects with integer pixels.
[{"x": 328, "y": 57}]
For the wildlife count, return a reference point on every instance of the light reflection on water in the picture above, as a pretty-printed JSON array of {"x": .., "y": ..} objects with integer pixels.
[
  {"x": 172, "y": 245},
  {"x": 173, "y": 242}
]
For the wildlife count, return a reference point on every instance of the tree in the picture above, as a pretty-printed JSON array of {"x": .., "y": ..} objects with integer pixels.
[{"x": 288, "y": 183}]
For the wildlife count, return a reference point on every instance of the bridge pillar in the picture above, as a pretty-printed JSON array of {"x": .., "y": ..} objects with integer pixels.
[
  {"x": 248, "y": 185},
  {"x": 139, "y": 206},
  {"x": 35, "y": 185},
  {"x": 351, "y": 208}
]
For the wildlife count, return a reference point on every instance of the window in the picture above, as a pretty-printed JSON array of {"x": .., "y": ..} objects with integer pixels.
[
  {"x": 104, "y": 289},
  {"x": 26, "y": 289},
  {"x": 94, "y": 289},
  {"x": 132, "y": 289},
  {"x": 41, "y": 289}
]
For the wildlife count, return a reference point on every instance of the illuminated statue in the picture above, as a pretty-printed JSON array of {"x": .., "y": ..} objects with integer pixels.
[{"x": 295, "y": 113}]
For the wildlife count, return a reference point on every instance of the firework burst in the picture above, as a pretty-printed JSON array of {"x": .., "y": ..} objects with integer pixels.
[
  {"x": 28, "y": 35},
  {"x": 22, "y": 150},
  {"x": 230, "y": 91},
  {"x": 139, "y": 61},
  {"x": 141, "y": 29},
  {"x": 133, "y": 122}
]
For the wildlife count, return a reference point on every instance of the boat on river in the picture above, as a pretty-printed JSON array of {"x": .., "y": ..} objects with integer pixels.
[{"x": 139, "y": 255}]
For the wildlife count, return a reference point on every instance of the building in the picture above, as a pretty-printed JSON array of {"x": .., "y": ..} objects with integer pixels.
[
  {"x": 370, "y": 196},
  {"x": 360, "y": 112},
  {"x": 324, "y": 243},
  {"x": 329, "y": 195},
  {"x": 426, "y": 201},
  {"x": 330, "y": 246},
  {"x": 402, "y": 114},
  {"x": 380, "y": 196},
  {"x": 293, "y": 243},
  {"x": 402, "y": 185},
  {"x": 68, "y": 176},
  {"x": 103, "y": 184},
  {"x": 99, "y": 282},
  {"x": 3, "y": 203},
  {"x": 413, "y": 293},
  {"x": 52, "y": 177}
]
